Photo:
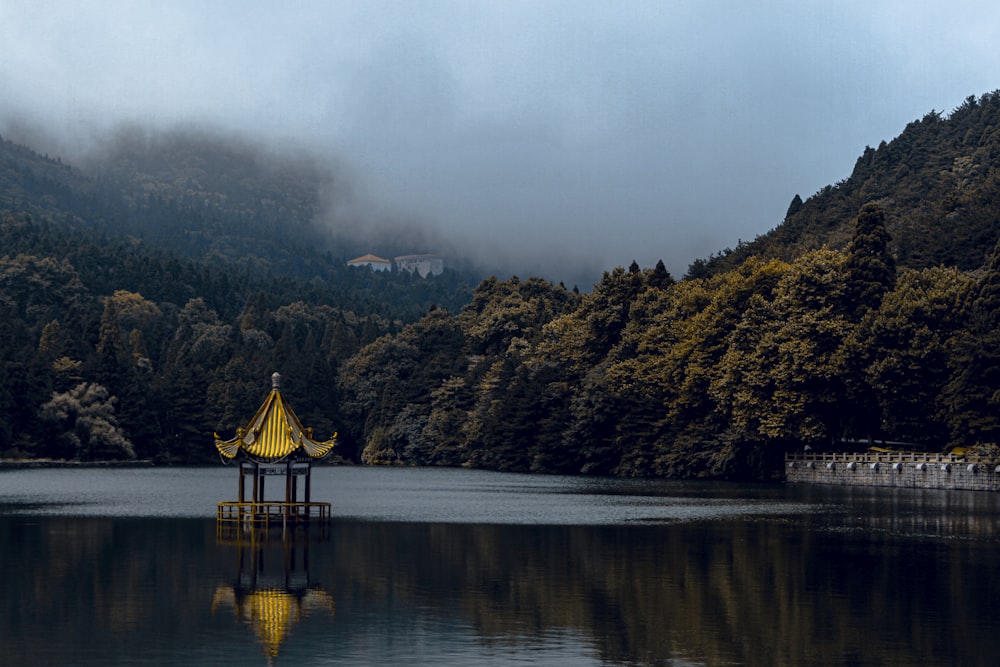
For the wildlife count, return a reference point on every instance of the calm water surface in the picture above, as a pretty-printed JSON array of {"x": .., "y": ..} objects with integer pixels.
[{"x": 459, "y": 567}]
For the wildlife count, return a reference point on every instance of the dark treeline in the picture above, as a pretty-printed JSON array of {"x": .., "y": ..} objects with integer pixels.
[{"x": 110, "y": 348}]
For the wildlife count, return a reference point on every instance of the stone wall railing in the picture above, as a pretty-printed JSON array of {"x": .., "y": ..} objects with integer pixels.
[{"x": 898, "y": 469}]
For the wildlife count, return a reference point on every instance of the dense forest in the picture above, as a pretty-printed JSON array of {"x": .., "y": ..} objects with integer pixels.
[
  {"x": 142, "y": 314},
  {"x": 148, "y": 296}
]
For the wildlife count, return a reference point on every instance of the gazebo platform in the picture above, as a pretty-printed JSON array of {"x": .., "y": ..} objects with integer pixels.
[{"x": 272, "y": 512}]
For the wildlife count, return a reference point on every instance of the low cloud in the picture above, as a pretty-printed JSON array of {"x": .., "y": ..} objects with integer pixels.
[{"x": 559, "y": 138}]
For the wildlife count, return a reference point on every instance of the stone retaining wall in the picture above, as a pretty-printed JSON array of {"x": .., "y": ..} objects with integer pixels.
[{"x": 905, "y": 470}]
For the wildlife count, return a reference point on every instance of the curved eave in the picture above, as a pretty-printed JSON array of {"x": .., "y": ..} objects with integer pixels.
[
  {"x": 228, "y": 448},
  {"x": 318, "y": 450}
]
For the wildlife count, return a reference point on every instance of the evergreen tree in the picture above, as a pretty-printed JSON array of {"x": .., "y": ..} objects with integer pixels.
[
  {"x": 870, "y": 269},
  {"x": 794, "y": 206},
  {"x": 660, "y": 278}
]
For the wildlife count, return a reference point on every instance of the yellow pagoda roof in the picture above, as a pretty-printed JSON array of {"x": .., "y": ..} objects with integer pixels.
[{"x": 274, "y": 432}]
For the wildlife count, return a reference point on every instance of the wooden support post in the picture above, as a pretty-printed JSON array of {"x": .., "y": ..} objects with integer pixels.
[
  {"x": 257, "y": 492},
  {"x": 288, "y": 490},
  {"x": 308, "y": 489}
]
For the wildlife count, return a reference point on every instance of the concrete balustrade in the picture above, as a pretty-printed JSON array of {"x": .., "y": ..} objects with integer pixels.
[{"x": 898, "y": 469}]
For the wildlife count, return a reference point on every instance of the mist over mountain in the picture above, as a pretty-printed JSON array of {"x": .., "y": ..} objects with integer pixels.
[
  {"x": 276, "y": 190},
  {"x": 554, "y": 139},
  {"x": 936, "y": 180}
]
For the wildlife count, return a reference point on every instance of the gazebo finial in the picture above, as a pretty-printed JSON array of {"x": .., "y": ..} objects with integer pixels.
[{"x": 276, "y": 380}]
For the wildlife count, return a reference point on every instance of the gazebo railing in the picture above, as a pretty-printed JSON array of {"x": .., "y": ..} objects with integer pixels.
[{"x": 269, "y": 512}]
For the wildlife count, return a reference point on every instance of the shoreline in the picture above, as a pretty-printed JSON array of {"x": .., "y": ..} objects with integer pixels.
[{"x": 16, "y": 464}]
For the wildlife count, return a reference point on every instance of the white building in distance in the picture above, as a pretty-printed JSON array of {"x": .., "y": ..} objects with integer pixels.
[
  {"x": 369, "y": 260},
  {"x": 424, "y": 265}
]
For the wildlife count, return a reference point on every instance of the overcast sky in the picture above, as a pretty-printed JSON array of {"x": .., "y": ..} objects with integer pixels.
[{"x": 584, "y": 133}]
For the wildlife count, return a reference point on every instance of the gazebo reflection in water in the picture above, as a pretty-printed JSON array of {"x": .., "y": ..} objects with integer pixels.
[{"x": 273, "y": 590}]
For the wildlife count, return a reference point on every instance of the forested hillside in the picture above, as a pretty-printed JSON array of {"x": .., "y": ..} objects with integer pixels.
[
  {"x": 939, "y": 182},
  {"x": 199, "y": 196},
  {"x": 713, "y": 377},
  {"x": 870, "y": 314},
  {"x": 144, "y": 295}
]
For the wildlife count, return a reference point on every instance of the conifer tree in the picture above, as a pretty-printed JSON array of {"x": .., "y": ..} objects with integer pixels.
[
  {"x": 794, "y": 206},
  {"x": 660, "y": 277},
  {"x": 870, "y": 268}
]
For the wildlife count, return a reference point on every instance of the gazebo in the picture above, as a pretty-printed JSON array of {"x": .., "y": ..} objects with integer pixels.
[{"x": 274, "y": 445}]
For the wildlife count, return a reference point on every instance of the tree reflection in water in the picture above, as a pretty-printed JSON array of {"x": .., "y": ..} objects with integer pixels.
[{"x": 777, "y": 591}]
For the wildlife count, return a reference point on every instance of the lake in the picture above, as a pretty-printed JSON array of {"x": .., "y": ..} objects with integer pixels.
[{"x": 464, "y": 567}]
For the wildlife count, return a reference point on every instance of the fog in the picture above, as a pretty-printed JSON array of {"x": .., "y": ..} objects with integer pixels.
[{"x": 552, "y": 138}]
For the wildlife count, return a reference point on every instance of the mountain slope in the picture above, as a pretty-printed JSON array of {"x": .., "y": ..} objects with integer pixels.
[
  {"x": 234, "y": 206},
  {"x": 939, "y": 180}
]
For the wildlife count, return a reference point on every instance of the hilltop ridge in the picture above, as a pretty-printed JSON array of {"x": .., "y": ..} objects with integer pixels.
[{"x": 939, "y": 181}]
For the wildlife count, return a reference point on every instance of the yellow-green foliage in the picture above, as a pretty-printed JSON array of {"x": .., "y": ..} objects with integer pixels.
[{"x": 715, "y": 376}]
